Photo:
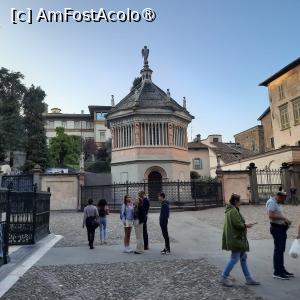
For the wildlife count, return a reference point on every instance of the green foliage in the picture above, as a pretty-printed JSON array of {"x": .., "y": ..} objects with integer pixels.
[
  {"x": 64, "y": 149},
  {"x": 2, "y": 153},
  {"x": 11, "y": 94},
  {"x": 136, "y": 82},
  {"x": 101, "y": 166},
  {"x": 195, "y": 176},
  {"x": 35, "y": 142}
]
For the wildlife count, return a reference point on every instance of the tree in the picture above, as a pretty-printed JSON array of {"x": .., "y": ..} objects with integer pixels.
[
  {"x": 11, "y": 94},
  {"x": 2, "y": 153},
  {"x": 136, "y": 82},
  {"x": 89, "y": 149},
  {"x": 64, "y": 149},
  {"x": 35, "y": 142}
]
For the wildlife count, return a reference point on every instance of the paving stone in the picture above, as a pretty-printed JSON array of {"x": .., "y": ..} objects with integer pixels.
[
  {"x": 69, "y": 224},
  {"x": 172, "y": 279},
  {"x": 251, "y": 213}
]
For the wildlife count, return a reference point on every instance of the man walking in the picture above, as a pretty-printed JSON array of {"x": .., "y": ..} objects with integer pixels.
[
  {"x": 146, "y": 206},
  {"x": 163, "y": 222},
  {"x": 279, "y": 226}
]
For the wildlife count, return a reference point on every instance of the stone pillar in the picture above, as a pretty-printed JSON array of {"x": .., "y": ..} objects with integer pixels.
[
  {"x": 37, "y": 170},
  {"x": 285, "y": 177},
  {"x": 170, "y": 134},
  {"x": 81, "y": 180},
  {"x": 137, "y": 134},
  {"x": 253, "y": 184},
  {"x": 113, "y": 138}
]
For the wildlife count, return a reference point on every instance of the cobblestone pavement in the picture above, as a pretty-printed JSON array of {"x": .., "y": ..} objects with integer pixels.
[
  {"x": 215, "y": 217},
  {"x": 69, "y": 224},
  {"x": 174, "y": 279}
]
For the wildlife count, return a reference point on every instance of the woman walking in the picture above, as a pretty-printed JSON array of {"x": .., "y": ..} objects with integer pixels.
[
  {"x": 127, "y": 219},
  {"x": 103, "y": 212},
  {"x": 139, "y": 220},
  {"x": 235, "y": 240},
  {"x": 90, "y": 220}
]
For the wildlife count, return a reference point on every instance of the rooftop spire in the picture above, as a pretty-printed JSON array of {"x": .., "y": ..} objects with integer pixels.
[{"x": 146, "y": 71}]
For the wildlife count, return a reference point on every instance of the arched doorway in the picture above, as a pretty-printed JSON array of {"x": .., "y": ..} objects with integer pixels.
[{"x": 154, "y": 185}]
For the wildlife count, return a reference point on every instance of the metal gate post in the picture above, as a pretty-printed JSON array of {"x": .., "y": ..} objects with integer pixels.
[
  {"x": 178, "y": 191},
  {"x": 34, "y": 212}
]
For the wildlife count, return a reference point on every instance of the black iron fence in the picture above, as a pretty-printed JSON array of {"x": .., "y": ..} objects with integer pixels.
[
  {"x": 179, "y": 194},
  {"x": 4, "y": 225},
  {"x": 24, "y": 217},
  {"x": 29, "y": 217},
  {"x": 21, "y": 183}
]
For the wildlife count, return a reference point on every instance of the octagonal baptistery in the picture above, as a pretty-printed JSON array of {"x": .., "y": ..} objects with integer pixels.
[{"x": 149, "y": 134}]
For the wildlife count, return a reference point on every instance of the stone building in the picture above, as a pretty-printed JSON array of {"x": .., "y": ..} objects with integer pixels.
[
  {"x": 284, "y": 98},
  {"x": 90, "y": 126},
  {"x": 149, "y": 134},
  {"x": 280, "y": 122},
  {"x": 199, "y": 157},
  {"x": 252, "y": 139},
  {"x": 266, "y": 123}
]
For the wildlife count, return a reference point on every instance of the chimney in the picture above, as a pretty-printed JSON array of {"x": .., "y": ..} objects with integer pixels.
[
  {"x": 82, "y": 111},
  {"x": 184, "y": 103}
]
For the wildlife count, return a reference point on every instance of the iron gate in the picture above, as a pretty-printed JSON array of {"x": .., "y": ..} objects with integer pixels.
[{"x": 268, "y": 183}]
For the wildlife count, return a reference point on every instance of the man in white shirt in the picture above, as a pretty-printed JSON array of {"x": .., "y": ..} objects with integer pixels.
[{"x": 279, "y": 226}]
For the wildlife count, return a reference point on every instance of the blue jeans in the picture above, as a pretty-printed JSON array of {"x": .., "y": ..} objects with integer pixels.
[
  {"x": 102, "y": 227},
  {"x": 235, "y": 257}
]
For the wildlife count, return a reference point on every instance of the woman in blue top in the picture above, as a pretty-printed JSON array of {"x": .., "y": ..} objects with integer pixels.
[{"x": 128, "y": 221}]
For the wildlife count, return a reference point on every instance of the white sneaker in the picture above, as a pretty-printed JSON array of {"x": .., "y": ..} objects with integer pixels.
[
  {"x": 125, "y": 250},
  {"x": 129, "y": 250}
]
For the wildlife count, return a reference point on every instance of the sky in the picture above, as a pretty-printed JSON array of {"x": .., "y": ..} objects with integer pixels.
[{"x": 213, "y": 52}]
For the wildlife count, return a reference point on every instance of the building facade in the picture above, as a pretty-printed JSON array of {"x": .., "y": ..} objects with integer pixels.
[
  {"x": 91, "y": 127},
  {"x": 199, "y": 157},
  {"x": 252, "y": 139},
  {"x": 149, "y": 134},
  {"x": 266, "y": 123},
  {"x": 280, "y": 123},
  {"x": 284, "y": 98}
]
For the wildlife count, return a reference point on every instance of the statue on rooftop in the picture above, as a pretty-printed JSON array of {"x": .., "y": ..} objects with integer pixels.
[{"x": 145, "y": 54}]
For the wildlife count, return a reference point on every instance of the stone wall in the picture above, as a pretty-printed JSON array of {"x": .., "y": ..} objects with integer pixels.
[
  {"x": 64, "y": 189},
  {"x": 252, "y": 139},
  {"x": 237, "y": 182}
]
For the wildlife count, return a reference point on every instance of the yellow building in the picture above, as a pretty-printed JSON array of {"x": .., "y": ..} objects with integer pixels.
[
  {"x": 284, "y": 98},
  {"x": 91, "y": 126}
]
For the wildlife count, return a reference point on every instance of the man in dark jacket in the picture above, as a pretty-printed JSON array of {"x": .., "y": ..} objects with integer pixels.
[
  {"x": 146, "y": 206},
  {"x": 163, "y": 222}
]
